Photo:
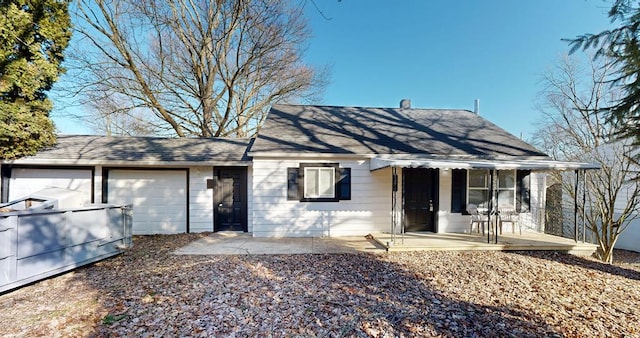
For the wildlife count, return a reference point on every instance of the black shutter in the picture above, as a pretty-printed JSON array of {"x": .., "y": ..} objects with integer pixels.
[
  {"x": 523, "y": 193},
  {"x": 292, "y": 184},
  {"x": 458, "y": 190},
  {"x": 344, "y": 184}
]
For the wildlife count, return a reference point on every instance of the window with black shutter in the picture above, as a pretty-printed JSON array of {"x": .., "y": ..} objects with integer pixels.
[{"x": 318, "y": 182}]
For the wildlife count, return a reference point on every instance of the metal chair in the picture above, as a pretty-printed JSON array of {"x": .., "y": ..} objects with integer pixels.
[
  {"x": 477, "y": 217},
  {"x": 509, "y": 215}
]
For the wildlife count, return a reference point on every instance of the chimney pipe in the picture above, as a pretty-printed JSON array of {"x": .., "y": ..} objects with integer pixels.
[
  {"x": 476, "y": 106},
  {"x": 405, "y": 104}
]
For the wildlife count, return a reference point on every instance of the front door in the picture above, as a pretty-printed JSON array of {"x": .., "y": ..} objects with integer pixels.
[
  {"x": 420, "y": 203},
  {"x": 230, "y": 200}
]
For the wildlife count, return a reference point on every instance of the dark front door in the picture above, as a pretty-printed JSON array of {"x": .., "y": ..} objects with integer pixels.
[
  {"x": 420, "y": 204},
  {"x": 230, "y": 199}
]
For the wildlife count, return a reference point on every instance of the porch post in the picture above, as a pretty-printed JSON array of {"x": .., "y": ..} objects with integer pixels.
[
  {"x": 490, "y": 206},
  {"x": 394, "y": 204},
  {"x": 575, "y": 207},
  {"x": 497, "y": 197},
  {"x": 584, "y": 205}
]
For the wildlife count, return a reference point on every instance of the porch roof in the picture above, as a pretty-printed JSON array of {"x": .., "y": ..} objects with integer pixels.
[{"x": 535, "y": 163}]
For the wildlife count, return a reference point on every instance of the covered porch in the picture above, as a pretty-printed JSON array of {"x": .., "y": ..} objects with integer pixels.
[
  {"x": 497, "y": 199},
  {"x": 530, "y": 241}
]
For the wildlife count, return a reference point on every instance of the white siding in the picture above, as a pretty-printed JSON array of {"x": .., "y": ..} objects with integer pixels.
[
  {"x": 158, "y": 197},
  {"x": 250, "y": 199},
  {"x": 449, "y": 222},
  {"x": 368, "y": 211},
  {"x": 26, "y": 181},
  {"x": 630, "y": 238},
  {"x": 457, "y": 223},
  {"x": 200, "y": 199}
]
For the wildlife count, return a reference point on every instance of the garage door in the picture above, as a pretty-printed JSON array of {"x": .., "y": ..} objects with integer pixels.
[
  {"x": 159, "y": 199},
  {"x": 26, "y": 181}
]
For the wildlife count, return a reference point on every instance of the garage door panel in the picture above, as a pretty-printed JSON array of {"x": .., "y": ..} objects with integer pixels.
[
  {"x": 158, "y": 198},
  {"x": 26, "y": 181}
]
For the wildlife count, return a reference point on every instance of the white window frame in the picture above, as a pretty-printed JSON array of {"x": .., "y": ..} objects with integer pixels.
[
  {"x": 330, "y": 171},
  {"x": 506, "y": 189},
  {"x": 497, "y": 186},
  {"x": 483, "y": 188}
]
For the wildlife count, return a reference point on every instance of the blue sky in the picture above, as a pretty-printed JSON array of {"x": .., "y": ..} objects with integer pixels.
[{"x": 441, "y": 54}]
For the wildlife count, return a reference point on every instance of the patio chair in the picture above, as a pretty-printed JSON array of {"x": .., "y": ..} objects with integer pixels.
[
  {"x": 477, "y": 217},
  {"x": 509, "y": 215}
]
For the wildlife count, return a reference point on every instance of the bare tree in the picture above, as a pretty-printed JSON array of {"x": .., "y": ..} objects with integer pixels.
[
  {"x": 575, "y": 128},
  {"x": 187, "y": 68}
]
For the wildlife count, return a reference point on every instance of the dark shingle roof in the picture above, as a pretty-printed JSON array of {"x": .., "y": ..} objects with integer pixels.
[
  {"x": 80, "y": 149},
  {"x": 365, "y": 131}
]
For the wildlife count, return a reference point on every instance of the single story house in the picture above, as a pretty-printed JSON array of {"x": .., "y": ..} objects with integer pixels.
[{"x": 311, "y": 171}]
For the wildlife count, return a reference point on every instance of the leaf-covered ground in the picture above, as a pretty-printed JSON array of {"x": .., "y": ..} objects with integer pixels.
[{"x": 148, "y": 292}]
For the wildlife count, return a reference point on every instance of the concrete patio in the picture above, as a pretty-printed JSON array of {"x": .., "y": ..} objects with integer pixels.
[{"x": 241, "y": 243}]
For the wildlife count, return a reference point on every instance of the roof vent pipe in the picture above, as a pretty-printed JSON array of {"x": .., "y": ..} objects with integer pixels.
[
  {"x": 476, "y": 106},
  {"x": 405, "y": 104}
]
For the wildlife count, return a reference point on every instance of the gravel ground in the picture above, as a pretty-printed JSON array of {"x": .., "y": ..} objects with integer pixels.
[{"x": 148, "y": 292}]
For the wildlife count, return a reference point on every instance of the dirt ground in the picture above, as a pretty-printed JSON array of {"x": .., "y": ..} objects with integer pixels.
[{"x": 149, "y": 292}]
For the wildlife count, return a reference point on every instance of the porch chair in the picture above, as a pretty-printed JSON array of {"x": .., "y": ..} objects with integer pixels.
[
  {"x": 509, "y": 215},
  {"x": 477, "y": 218}
]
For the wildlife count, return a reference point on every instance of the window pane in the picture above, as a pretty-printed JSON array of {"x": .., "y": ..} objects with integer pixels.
[
  {"x": 478, "y": 197},
  {"x": 506, "y": 179},
  {"x": 326, "y": 184},
  {"x": 478, "y": 179},
  {"x": 319, "y": 182},
  {"x": 506, "y": 197},
  {"x": 311, "y": 182}
]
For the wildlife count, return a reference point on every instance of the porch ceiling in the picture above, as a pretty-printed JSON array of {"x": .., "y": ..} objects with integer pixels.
[{"x": 476, "y": 163}]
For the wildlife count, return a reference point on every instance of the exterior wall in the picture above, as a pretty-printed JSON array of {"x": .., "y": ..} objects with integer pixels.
[
  {"x": 449, "y": 222},
  {"x": 200, "y": 199},
  {"x": 368, "y": 211},
  {"x": 457, "y": 223},
  {"x": 630, "y": 238},
  {"x": 250, "y": 199}
]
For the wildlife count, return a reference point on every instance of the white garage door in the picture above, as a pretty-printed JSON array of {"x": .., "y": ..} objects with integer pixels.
[
  {"x": 26, "y": 181},
  {"x": 159, "y": 199}
]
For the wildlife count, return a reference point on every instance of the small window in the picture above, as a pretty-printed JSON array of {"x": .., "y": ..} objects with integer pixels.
[
  {"x": 479, "y": 187},
  {"x": 319, "y": 182},
  {"x": 507, "y": 187}
]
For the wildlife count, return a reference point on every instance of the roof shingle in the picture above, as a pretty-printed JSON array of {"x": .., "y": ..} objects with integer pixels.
[
  {"x": 81, "y": 149},
  {"x": 375, "y": 131}
]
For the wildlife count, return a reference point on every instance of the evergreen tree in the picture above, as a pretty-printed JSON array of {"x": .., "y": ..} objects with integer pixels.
[
  {"x": 620, "y": 45},
  {"x": 33, "y": 36}
]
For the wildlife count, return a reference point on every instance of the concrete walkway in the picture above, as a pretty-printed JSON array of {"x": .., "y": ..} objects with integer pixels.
[{"x": 240, "y": 243}]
